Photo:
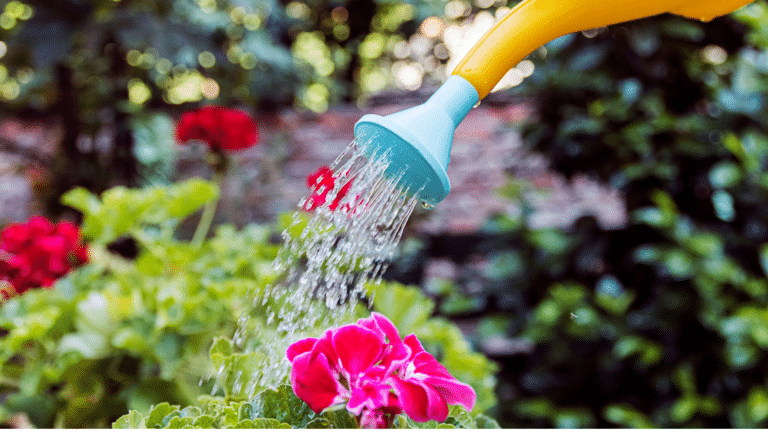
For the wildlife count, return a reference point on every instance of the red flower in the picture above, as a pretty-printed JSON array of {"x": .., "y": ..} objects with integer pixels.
[
  {"x": 221, "y": 128},
  {"x": 321, "y": 183},
  {"x": 367, "y": 367},
  {"x": 37, "y": 253}
]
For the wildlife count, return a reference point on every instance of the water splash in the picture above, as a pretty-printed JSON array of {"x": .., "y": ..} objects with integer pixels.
[{"x": 325, "y": 262}]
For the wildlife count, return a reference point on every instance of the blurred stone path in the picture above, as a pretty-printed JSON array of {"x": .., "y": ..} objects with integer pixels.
[{"x": 270, "y": 178}]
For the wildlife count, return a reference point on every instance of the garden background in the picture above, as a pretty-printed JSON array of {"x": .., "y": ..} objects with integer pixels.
[{"x": 603, "y": 251}]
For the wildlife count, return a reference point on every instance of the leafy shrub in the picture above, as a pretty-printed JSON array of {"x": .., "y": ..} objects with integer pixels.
[
  {"x": 121, "y": 334},
  {"x": 658, "y": 323},
  {"x": 275, "y": 409},
  {"x": 408, "y": 309}
]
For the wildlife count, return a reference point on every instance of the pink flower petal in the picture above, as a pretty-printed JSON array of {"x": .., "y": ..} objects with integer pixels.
[
  {"x": 426, "y": 364},
  {"x": 371, "y": 395},
  {"x": 395, "y": 353},
  {"x": 324, "y": 345},
  {"x": 420, "y": 402},
  {"x": 412, "y": 397},
  {"x": 453, "y": 391},
  {"x": 300, "y": 347},
  {"x": 413, "y": 343},
  {"x": 357, "y": 347},
  {"x": 313, "y": 382}
]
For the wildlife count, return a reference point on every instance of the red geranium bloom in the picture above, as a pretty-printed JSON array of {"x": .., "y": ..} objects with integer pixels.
[
  {"x": 37, "y": 253},
  {"x": 221, "y": 128},
  {"x": 367, "y": 367},
  {"x": 322, "y": 182}
]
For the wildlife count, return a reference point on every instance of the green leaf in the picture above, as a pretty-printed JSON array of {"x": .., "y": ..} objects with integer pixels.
[
  {"x": 764, "y": 258},
  {"x": 757, "y": 401},
  {"x": 340, "y": 419},
  {"x": 404, "y": 422},
  {"x": 283, "y": 405},
  {"x": 203, "y": 422},
  {"x": 407, "y": 308},
  {"x": 220, "y": 350},
  {"x": 243, "y": 424},
  {"x": 260, "y": 423},
  {"x": 154, "y": 147},
  {"x": 626, "y": 416},
  {"x": 158, "y": 413},
  {"x": 132, "y": 420},
  {"x": 460, "y": 417},
  {"x": 89, "y": 345},
  {"x": 534, "y": 408},
  {"x": 318, "y": 423},
  {"x": 724, "y": 175},
  {"x": 188, "y": 197},
  {"x": 573, "y": 418},
  {"x": 683, "y": 409},
  {"x": 81, "y": 199},
  {"x": 482, "y": 421}
]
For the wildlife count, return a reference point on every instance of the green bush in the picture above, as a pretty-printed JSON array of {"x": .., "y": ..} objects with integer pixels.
[
  {"x": 121, "y": 334},
  {"x": 409, "y": 310},
  {"x": 276, "y": 409},
  {"x": 141, "y": 333},
  {"x": 659, "y": 323}
]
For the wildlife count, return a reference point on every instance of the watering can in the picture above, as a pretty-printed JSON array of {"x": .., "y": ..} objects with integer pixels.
[{"x": 419, "y": 139}]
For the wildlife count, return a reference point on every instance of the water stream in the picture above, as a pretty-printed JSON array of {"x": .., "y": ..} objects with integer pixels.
[{"x": 327, "y": 258}]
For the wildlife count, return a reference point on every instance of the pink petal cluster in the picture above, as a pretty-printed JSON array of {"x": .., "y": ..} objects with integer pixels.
[
  {"x": 375, "y": 373},
  {"x": 37, "y": 253}
]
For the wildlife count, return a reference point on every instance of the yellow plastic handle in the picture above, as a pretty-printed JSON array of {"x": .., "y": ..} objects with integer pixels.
[{"x": 533, "y": 23}]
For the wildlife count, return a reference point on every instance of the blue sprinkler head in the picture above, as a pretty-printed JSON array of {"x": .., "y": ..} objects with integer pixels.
[{"x": 420, "y": 138}]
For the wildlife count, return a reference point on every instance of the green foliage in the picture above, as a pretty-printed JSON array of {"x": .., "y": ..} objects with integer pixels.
[
  {"x": 121, "y": 334},
  {"x": 411, "y": 312},
  {"x": 270, "y": 409},
  {"x": 124, "y": 211},
  {"x": 281, "y": 408},
  {"x": 275, "y": 409},
  {"x": 154, "y": 148},
  {"x": 150, "y": 50},
  {"x": 659, "y": 323}
]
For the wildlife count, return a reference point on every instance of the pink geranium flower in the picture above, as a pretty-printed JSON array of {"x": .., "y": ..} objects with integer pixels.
[{"x": 367, "y": 367}]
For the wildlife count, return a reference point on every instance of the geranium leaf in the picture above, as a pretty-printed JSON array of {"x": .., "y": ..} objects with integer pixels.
[
  {"x": 482, "y": 421},
  {"x": 158, "y": 413},
  {"x": 261, "y": 423},
  {"x": 132, "y": 420},
  {"x": 318, "y": 423},
  {"x": 283, "y": 405},
  {"x": 187, "y": 197},
  {"x": 459, "y": 417},
  {"x": 203, "y": 422},
  {"x": 341, "y": 419}
]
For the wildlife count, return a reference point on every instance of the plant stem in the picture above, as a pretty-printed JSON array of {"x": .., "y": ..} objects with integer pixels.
[{"x": 209, "y": 211}]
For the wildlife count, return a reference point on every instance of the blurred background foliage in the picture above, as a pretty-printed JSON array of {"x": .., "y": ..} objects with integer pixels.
[
  {"x": 659, "y": 323},
  {"x": 106, "y": 68}
]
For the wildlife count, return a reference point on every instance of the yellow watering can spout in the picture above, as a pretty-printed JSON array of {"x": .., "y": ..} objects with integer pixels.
[
  {"x": 533, "y": 23},
  {"x": 420, "y": 138}
]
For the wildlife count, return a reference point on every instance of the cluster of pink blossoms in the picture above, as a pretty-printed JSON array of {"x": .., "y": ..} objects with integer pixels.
[
  {"x": 368, "y": 367},
  {"x": 36, "y": 253}
]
